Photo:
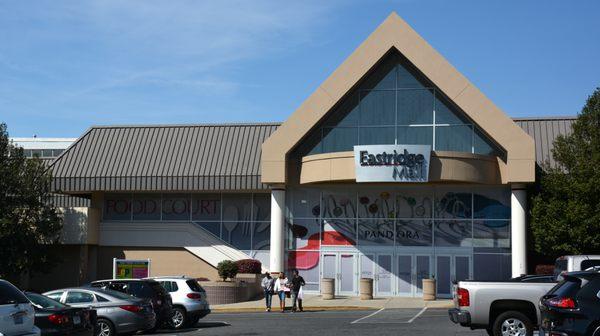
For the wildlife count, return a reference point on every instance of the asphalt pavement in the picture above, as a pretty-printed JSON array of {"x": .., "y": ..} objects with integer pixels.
[{"x": 413, "y": 322}]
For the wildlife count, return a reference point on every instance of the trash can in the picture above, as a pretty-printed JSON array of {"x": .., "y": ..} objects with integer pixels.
[
  {"x": 429, "y": 289},
  {"x": 366, "y": 289},
  {"x": 328, "y": 288}
]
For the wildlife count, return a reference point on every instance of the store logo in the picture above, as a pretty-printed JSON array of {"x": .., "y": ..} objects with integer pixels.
[{"x": 392, "y": 163}]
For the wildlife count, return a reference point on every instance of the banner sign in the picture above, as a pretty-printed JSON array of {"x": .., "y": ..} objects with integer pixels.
[
  {"x": 392, "y": 163},
  {"x": 131, "y": 269}
]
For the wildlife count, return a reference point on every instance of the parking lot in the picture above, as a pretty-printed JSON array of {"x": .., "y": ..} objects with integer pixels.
[{"x": 380, "y": 322}]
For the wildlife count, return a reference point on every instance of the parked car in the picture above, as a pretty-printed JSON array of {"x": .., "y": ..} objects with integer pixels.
[
  {"x": 189, "y": 300},
  {"x": 55, "y": 318},
  {"x": 509, "y": 305},
  {"x": 572, "y": 307},
  {"x": 16, "y": 312},
  {"x": 144, "y": 289},
  {"x": 117, "y": 313},
  {"x": 573, "y": 263}
]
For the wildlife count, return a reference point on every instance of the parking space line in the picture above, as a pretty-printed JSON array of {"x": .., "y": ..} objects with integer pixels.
[
  {"x": 364, "y": 317},
  {"x": 418, "y": 314}
]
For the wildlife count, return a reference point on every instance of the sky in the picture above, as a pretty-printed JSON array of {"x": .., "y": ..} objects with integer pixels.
[{"x": 67, "y": 65}]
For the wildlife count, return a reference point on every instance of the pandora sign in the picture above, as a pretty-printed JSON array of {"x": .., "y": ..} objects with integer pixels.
[{"x": 392, "y": 163}]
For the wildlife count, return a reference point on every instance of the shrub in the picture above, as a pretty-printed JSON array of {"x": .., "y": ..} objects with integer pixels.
[
  {"x": 544, "y": 269},
  {"x": 251, "y": 266},
  {"x": 227, "y": 269}
]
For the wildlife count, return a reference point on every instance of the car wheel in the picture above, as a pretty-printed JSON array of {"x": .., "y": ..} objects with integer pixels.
[
  {"x": 104, "y": 327},
  {"x": 513, "y": 323},
  {"x": 595, "y": 331},
  {"x": 179, "y": 318}
]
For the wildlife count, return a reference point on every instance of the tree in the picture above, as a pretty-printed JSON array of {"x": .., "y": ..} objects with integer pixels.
[
  {"x": 29, "y": 224},
  {"x": 565, "y": 216}
]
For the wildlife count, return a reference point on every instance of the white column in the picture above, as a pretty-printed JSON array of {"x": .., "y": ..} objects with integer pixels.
[
  {"x": 518, "y": 231},
  {"x": 276, "y": 261}
]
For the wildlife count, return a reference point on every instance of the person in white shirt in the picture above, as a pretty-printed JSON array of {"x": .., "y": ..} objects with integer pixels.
[
  {"x": 268, "y": 284},
  {"x": 281, "y": 288}
]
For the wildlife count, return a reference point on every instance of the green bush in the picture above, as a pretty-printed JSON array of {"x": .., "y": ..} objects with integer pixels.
[{"x": 227, "y": 269}]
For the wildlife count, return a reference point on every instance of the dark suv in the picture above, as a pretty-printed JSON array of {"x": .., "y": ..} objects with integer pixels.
[
  {"x": 144, "y": 289},
  {"x": 572, "y": 307}
]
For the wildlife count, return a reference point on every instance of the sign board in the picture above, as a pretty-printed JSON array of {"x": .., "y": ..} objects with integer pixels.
[
  {"x": 131, "y": 269},
  {"x": 392, "y": 163}
]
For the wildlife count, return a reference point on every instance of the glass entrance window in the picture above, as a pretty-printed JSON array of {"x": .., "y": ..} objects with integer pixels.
[
  {"x": 443, "y": 275},
  {"x": 404, "y": 274},
  {"x": 384, "y": 275},
  {"x": 396, "y": 104}
]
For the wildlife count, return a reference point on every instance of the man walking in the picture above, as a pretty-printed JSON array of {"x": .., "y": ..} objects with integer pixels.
[
  {"x": 267, "y": 284},
  {"x": 297, "y": 283}
]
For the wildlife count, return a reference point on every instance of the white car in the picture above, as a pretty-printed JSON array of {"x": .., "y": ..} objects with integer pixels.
[
  {"x": 189, "y": 300},
  {"x": 16, "y": 312}
]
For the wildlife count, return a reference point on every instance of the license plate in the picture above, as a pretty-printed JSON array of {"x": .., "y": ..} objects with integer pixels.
[
  {"x": 76, "y": 319},
  {"x": 18, "y": 319}
]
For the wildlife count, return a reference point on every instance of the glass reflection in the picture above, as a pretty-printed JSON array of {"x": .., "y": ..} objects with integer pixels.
[{"x": 452, "y": 234}]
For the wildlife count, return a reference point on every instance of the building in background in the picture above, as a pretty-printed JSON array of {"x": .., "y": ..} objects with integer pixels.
[{"x": 436, "y": 188}]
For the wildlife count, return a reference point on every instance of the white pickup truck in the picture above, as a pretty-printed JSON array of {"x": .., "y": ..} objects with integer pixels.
[{"x": 510, "y": 308}]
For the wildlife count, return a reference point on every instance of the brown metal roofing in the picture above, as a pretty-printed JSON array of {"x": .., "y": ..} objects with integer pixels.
[
  {"x": 544, "y": 131},
  {"x": 163, "y": 157},
  {"x": 200, "y": 157}
]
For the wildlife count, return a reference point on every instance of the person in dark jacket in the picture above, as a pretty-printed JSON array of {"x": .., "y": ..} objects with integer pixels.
[{"x": 296, "y": 286}]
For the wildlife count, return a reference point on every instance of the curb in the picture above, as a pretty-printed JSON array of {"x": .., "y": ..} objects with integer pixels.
[{"x": 275, "y": 310}]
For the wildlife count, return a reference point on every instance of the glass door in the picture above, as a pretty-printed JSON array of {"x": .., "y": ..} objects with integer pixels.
[
  {"x": 423, "y": 270},
  {"x": 347, "y": 274},
  {"x": 342, "y": 267},
  {"x": 444, "y": 277},
  {"x": 383, "y": 275},
  {"x": 404, "y": 275},
  {"x": 462, "y": 267}
]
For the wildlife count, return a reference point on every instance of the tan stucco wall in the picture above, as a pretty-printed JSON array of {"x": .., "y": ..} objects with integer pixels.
[
  {"x": 164, "y": 261},
  {"x": 444, "y": 167},
  {"x": 395, "y": 34}
]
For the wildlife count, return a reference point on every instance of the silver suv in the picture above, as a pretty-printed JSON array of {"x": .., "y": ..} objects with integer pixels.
[{"x": 189, "y": 300}]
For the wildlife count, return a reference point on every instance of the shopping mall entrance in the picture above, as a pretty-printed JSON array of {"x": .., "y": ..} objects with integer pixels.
[{"x": 399, "y": 273}]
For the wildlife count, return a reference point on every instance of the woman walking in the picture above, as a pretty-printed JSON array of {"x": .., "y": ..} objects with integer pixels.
[
  {"x": 268, "y": 283},
  {"x": 281, "y": 288}
]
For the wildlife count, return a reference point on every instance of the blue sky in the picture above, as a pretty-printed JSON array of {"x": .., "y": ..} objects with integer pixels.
[{"x": 67, "y": 65}]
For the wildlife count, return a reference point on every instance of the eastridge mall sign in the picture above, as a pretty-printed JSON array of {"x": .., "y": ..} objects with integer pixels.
[{"x": 392, "y": 163}]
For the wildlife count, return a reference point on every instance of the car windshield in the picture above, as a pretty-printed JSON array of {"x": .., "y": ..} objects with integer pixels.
[
  {"x": 10, "y": 294},
  {"x": 195, "y": 286},
  {"x": 43, "y": 301}
]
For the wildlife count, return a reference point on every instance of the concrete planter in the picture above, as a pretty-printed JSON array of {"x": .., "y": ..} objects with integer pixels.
[
  {"x": 328, "y": 289},
  {"x": 366, "y": 289},
  {"x": 252, "y": 282},
  {"x": 429, "y": 289}
]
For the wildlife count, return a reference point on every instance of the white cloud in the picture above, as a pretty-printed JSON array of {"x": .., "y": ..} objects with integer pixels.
[{"x": 118, "y": 44}]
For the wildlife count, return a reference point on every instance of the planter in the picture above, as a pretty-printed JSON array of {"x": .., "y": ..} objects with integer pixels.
[
  {"x": 220, "y": 292},
  {"x": 328, "y": 288},
  {"x": 429, "y": 289},
  {"x": 366, "y": 289}
]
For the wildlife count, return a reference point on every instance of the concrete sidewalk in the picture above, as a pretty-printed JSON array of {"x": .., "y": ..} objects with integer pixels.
[{"x": 315, "y": 302}]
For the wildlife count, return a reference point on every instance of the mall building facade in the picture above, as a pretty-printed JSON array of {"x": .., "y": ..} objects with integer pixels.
[{"x": 396, "y": 168}]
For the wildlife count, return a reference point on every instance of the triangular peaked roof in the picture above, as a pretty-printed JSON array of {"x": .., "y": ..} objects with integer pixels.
[{"x": 396, "y": 33}]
